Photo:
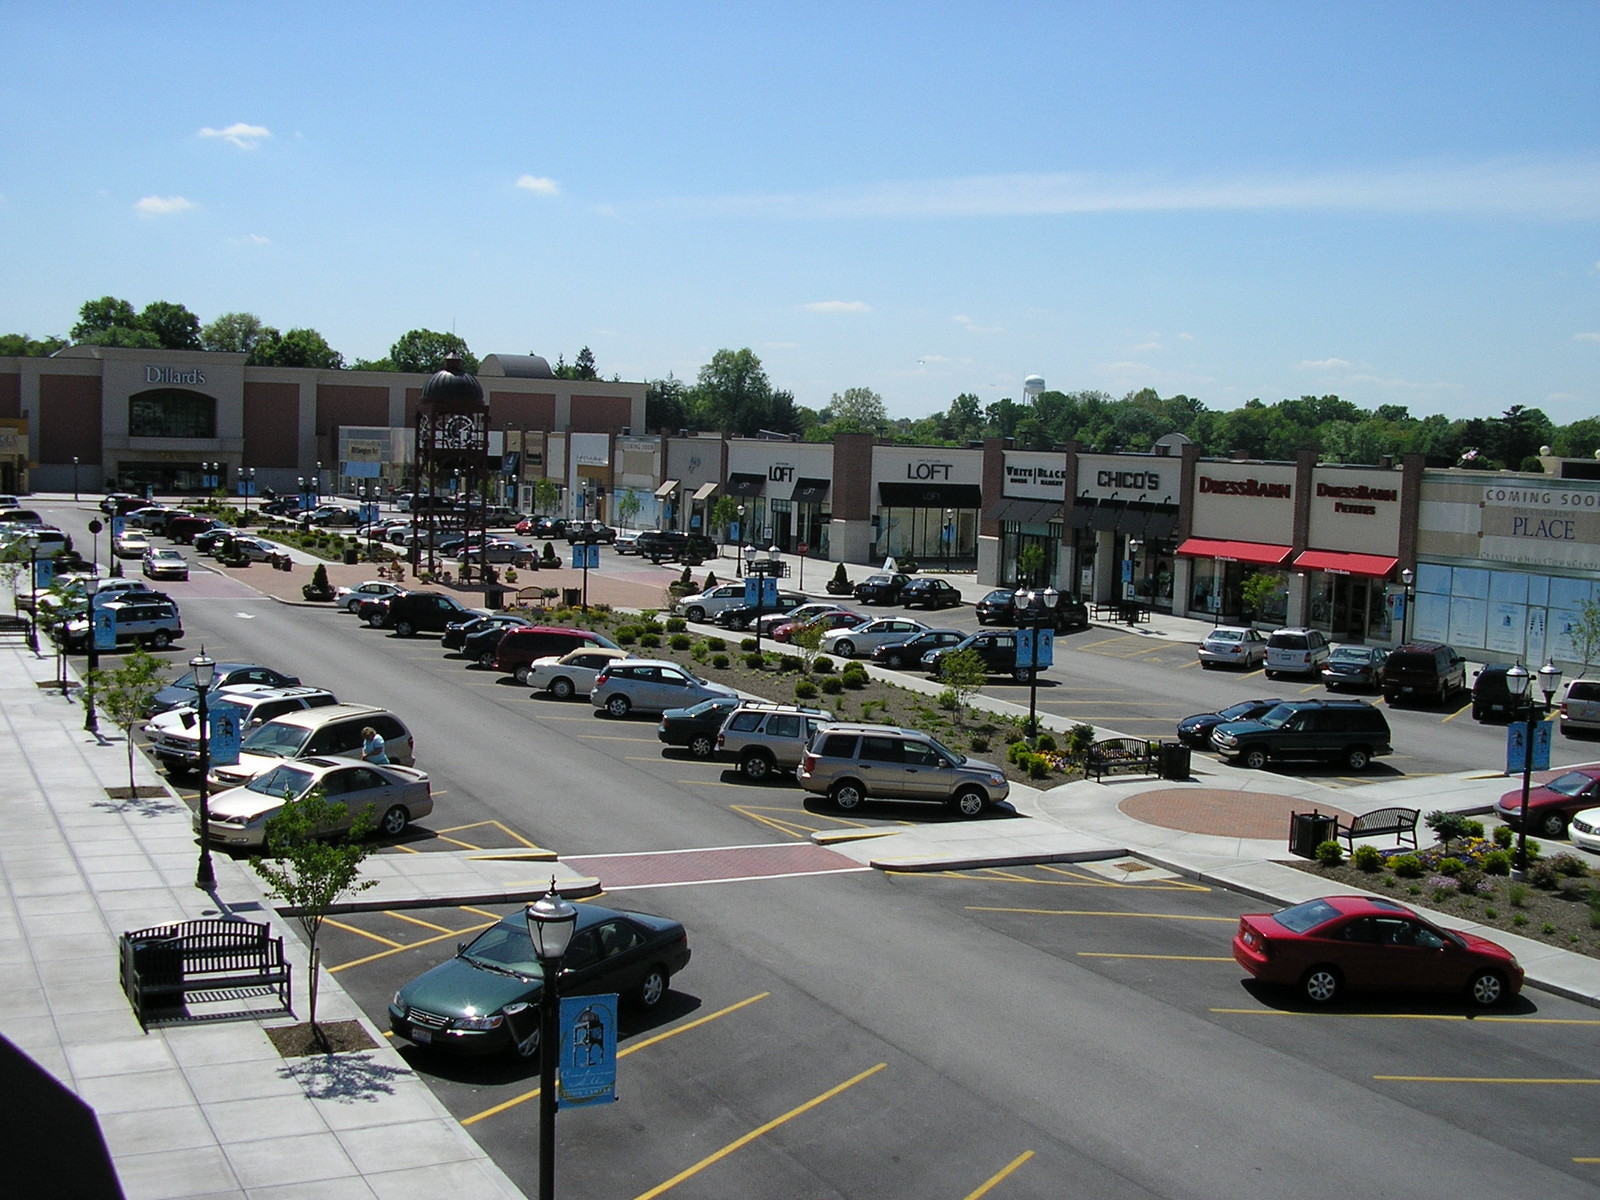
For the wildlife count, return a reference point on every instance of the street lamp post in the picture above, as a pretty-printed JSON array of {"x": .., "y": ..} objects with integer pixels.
[
  {"x": 1409, "y": 577},
  {"x": 1517, "y": 680},
  {"x": 947, "y": 536},
  {"x": 738, "y": 559},
  {"x": 762, "y": 569},
  {"x": 247, "y": 484},
  {"x": 91, "y": 722},
  {"x": 316, "y": 487},
  {"x": 94, "y": 545},
  {"x": 74, "y": 478},
  {"x": 1035, "y": 610},
  {"x": 205, "y": 673},
  {"x": 551, "y": 920}
]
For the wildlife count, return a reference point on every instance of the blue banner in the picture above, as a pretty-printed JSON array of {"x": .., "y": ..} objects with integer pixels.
[
  {"x": 587, "y": 1069},
  {"x": 1517, "y": 746},
  {"x": 105, "y": 626},
  {"x": 118, "y": 524},
  {"x": 761, "y": 590},
  {"x": 44, "y": 572},
  {"x": 1035, "y": 641},
  {"x": 585, "y": 556},
  {"x": 224, "y": 736}
]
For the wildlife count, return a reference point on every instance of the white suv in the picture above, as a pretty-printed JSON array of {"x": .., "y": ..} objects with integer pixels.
[
  {"x": 1580, "y": 709},
  {"x": 1296, "y": 652},
  {"x": 175, "y": 734},
  {"x": 709, "y": 603},
  {"x": 763, "y": 738}
]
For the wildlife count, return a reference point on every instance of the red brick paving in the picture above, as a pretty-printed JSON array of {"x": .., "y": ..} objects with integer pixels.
[{"x": 1221, "y": 811}]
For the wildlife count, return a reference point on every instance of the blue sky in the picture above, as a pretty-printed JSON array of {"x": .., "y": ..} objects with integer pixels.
[{"x": 1398, "y": 203}]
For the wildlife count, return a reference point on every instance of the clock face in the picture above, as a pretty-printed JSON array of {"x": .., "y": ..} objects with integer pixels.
[{"x": 456, "y": 431}]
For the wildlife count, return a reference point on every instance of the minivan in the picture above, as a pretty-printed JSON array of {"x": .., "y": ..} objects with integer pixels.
[
  {"x": 518, "y": 647},
  {"x": 1419, "y": 670},
  {"x": 1296, "y": 651},
  {"x": 312, "y": 733}
]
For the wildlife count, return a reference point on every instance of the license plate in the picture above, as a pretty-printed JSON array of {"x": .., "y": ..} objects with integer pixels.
[{"x": 421, "y": 1036}]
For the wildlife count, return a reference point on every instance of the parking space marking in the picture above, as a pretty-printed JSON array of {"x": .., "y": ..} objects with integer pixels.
[
  {"x": 738, "y": 1143},
  {"x": 623, "y": 1052},
  {"x": 1227, "y": 958},
  {"x": 1072, "y": 912},
  {"x": 363, "y": 933},
  {"x": 361, "y": 962},
  {"x": 989, "y": 1184},
  {"x": 1513, "y": 1080},
  {"x": 418, "y": 921},
  {"x": 1475, "y": 1018},
  {"x": 611, "y": 737}
]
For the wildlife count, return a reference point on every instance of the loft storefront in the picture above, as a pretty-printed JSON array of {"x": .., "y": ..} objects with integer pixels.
[
  {"x": 786, "y": 490},
  {"x": 928, "y": 504},
  {"x": 1505, "y": 564},
  {"x": 1120, "y": 525}
]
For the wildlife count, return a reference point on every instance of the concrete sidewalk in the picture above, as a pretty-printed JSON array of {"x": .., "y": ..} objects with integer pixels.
[{"x": 213, "y": 1110}]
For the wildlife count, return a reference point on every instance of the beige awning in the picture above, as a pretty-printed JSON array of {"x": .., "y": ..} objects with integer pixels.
[
  {"x": 705, "y": 491},
  {"x": 666, "y": 489}
]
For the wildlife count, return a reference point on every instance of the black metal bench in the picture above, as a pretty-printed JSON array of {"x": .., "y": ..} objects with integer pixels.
[
  {"x": 207, "y": 960},
  {"x": 1402, "y": 822},
  {"x": 17, "y": 629},
  {"x": 1117, "y": 756}
]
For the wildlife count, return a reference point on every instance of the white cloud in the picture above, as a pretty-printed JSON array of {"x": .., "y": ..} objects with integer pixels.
[
  {"x": 1560, "y": 189},
  {"x": 162, "y": 206},
  {"x": 1147, "y": 347},
  {"x": 246, "y": 137},
  {"x": 251, "y": 239},
  {"x": 538, "y": 185},
  {"x": 1322, "y": 364},
  {"x": 970, "y": 326},
  {"x": 838, "y": 306},
  {"x": 1586, "y": 337}
]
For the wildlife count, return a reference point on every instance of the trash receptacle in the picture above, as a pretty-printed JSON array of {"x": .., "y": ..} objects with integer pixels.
[
  {"x": 494, "y": 597},
  {"x": 1309, "y": 830},
  {"x": 571, "y": 596},
  {"x": 351, "y": 557},
  {"x": 1174, "y": 760}
]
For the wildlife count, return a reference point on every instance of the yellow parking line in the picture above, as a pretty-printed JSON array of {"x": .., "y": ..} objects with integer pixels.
[
  {"x": 400, "y": 916},
  {"x": 360, "y": 962},
  {"x": 717, "y": 1156},
  {"x": 1176, "y": 885},
  {"x": 362, "y": 932},
  {"x": 1529, "y": 1081},
  {"x": 989, "y": 1184},
  {"x": 1071, "y": 912},
  {"x": 1473, "y": 1019},
  {"x": 1160, "y": 957},
  {"x": 621, "y": 1053}
]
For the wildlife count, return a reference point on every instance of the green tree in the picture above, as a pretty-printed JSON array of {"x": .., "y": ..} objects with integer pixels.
[
  {"x": 724, "y": 513},
  {"x": 857, "y": 410},
  {"x": 963, "y": 673},
  {"x": 733, "y": 393},
  {"x": 232, "y": 333},
  {"x": 173, "y": 325},
  {"x": 1257, "y": 591},
  {"x": 423, "y": 351},
  {"x": 1585, "y": 634},
  {"x": 297, "y": 348},
  {"x": 546, "y": 494},
  {"x": 666, "y": 405},
  {"x": 310, "y": 870},
  {"x": 808, "y": 640},
  {"x": 124, "y": 694},
  {"x": 628, "y": 506},
  {"x": 98, "y": 317},
  {"x": 581, "y": 368},
  {"x": 20, "y": 345}
]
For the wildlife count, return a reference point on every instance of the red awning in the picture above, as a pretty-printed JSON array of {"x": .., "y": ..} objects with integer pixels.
[
  {"x": 1375, "y": 565},
  {"x": 1251, "y": 552}
]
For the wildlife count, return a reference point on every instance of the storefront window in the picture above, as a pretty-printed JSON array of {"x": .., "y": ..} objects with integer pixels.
[
  {"x": 172, "y": 413},
  {"x": 1014, "y": 539}
]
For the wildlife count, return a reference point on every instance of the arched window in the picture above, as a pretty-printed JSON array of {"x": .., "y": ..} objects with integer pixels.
[{"x": 172, "y": 413}]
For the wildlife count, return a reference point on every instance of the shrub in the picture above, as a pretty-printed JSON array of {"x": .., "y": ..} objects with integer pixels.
[
  {"x": 804, "y": 689},
  {"x": 833, "y": 685},
  {"x": 1469, "y": 882},
  {"x": 1451, "y": 867},
  {"x": 1516, "y": 894},
  {"x": 1569, "y": 865},
  {"x": 823, "y": 666},
  {"x": 649, "y": 640},
  {"x": 1406, "y": 866},
  {"x": 948, "y": 700},
  {"x": 679, "y": 641},
  {"x": 716, "y": 644},
  {"x": 1496, "y": 862},
  {"x": 980, "y": 745},
  {"x": 840, "y": 578},
  {"x": 710, "y": 581},
  {"x": 1045, "y": 741},
  {"x": 1079, "y": 738},
  {"x": 755, "y": 661},
  {"x": 720, "y": 661},
  {"x": 1449, "y": 826},
  {"x": 1019, "y": 753},
  {"x": 1503, "y": 837},
  {"x": 1368, "y": 859},
  {"x": 626, "y": 637},
  {"x": 1038, "y": 766},
  {"x": 747, "y": 644},
  {"x": 1472, "y": 829},
  {"x": 1543, "y": 875},
  {"x": 700, "y": 652},
  {"x": 676, "y": 624},
  {"x": 1330, "y": 853}
]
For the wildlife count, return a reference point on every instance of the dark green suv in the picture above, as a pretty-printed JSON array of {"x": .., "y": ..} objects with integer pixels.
[{"x": 1351, "y": 732}]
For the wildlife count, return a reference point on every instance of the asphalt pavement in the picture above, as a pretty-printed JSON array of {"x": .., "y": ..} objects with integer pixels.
[{"x": 211, "y": 1109}]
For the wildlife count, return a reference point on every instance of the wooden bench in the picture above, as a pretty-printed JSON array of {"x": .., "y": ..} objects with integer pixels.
[
  {"x": 1114, "y": 756},
  {"x": 167, "y": 965},
  {"x": 1402, "y": 822}
]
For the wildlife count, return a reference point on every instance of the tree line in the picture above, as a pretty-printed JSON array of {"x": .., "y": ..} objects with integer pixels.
[{"x": 733, "y": 393}]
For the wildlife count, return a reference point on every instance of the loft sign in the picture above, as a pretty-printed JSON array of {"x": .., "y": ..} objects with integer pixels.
[
  {"x": 928, "y": 470},
  {"x": 780, "y": 473},
  {"x": 172, "y": 375}
]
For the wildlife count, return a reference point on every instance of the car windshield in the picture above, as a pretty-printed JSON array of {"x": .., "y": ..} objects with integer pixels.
[
  {"x": 1237, "y": 712},
  {"x": 504, "y": 948},
  {"x": 707, "y": 706},
  {"x": 1352, "y": 654},
  {"x": 953, "y": 755},
  {"x": 601, "y": 639},
  {"x": 1569, "y": 784},
  {"x": 1225, "y": 635},
  {"x": 283, "y": 741},
  {"x": 285, "y": 781},
  {"x": 1274, "y": 718},
  {"x": 1306, "y": 916}
]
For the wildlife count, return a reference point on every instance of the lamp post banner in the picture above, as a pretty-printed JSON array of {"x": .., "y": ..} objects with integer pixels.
[
  {"x": 224, "y": 735},
  {"x": 588, "y": 1062},
  {"x": 585, "y": 557},
  {"x": 1517, "y": 746},
  {"x": 105, "y": 627},
  {"x": 1026, "y": 648},
  {"x": 761, "y": 591}
]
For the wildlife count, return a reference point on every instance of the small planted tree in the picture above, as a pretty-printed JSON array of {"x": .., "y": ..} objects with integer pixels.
[
  {"x": 1256, "y": 592},
  {"x": 1585, "y": 634},
  {"x": 808, "y": 640},
  {"x": 724, "y": 513},
  {"x": 1030, "y": 563},
  {"x": 963, "y": 675},
  {"x": 546, "y": 492},
  {"x": 309, "y": 870},
  {"x": 124, "y": 694},
  {"x": 628, "y": 505}
]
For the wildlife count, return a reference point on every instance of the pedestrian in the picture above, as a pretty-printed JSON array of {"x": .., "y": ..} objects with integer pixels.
[{"x": 372, "y": 747}]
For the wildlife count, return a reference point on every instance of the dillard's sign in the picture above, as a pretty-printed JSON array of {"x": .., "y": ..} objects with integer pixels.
[{"x": 172, "y": 375}]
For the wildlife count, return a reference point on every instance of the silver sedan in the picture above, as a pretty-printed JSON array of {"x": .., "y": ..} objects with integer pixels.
[{"x": 397, "y": 795}]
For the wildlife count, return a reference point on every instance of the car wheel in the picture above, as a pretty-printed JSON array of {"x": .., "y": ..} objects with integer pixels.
[
  {"x": 486, "y": 659},
  {"x": 404, "y": 629},
  {"x": 1269, "y": 674},
  {"x": 1357, "y": 758},
  {"x": 521, "y": 675},
  {"x": 1321, "y": 984},
  {"x": 696, "y": 613},
  {"x": 891, "y": 660},
  {"x": 374, "y": 621},
  {"x": 1255, "y": 758},
  {"x": 160, "y": 639},
  {"x": 528, "y": 1047},
  {"x": 701, "y": 745},
  {"x": 969, "y": 802},
  {"x": 561, "y": 689},
  {"x": 1023, "y": 674},
  {"x": 1487, "y": 989},
  {"x": 653, "y": 989},
  {"x": 395, "y": 821},
  {"x": 618, "y": 706},
  {"x": 1204, "y": 665},
  {"x": 845, "y": 647},
  {"x": 846, "y": 795},
  {"x": 1551, "y": 825},
  {"x": 755, "y": 767},
  {"x": 351, "y": 605}
]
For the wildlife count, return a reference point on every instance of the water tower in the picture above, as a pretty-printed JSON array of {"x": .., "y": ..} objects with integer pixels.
[{"x": 1032, "y": 386}]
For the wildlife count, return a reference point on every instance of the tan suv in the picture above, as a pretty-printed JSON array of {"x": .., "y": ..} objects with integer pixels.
[
  {"x": 763, "y": 738},
  {"x": 849, "y": 763},
  {"x": 314, "y": 732}
]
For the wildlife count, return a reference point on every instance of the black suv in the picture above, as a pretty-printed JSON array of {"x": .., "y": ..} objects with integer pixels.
[
  {"x": 1351, "y": 732},
  {"x": 1491, "y": 698},
  {"x": 880, "y": 589},
  {"x": 1419, "y": 670},
  {"x": 421, "y": 612},
  {"x": 999, "y": 607},
  {"x": 671, "y": 544},
  {"x": 997, "y": 649}
]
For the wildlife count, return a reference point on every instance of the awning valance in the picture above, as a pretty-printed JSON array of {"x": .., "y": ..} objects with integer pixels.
[
  {"x": 1263, "y": 553},
  {"x": 1026, "y": 512},
  {"x": 810, "y": 491},
  {"x": 930, "y": 495},
  {"x": 666, "y": 489},
  {"x": 1340, "y": 563},
  {"x": 705, "y": 491},
  {"x": 746, "y": 486}
]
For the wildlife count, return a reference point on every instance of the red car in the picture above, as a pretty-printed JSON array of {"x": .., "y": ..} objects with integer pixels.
[
  {"x": 1369, "y": 944},
  {"x": 841, "y": 619},
  {"x": 1550, "y": 807}
]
